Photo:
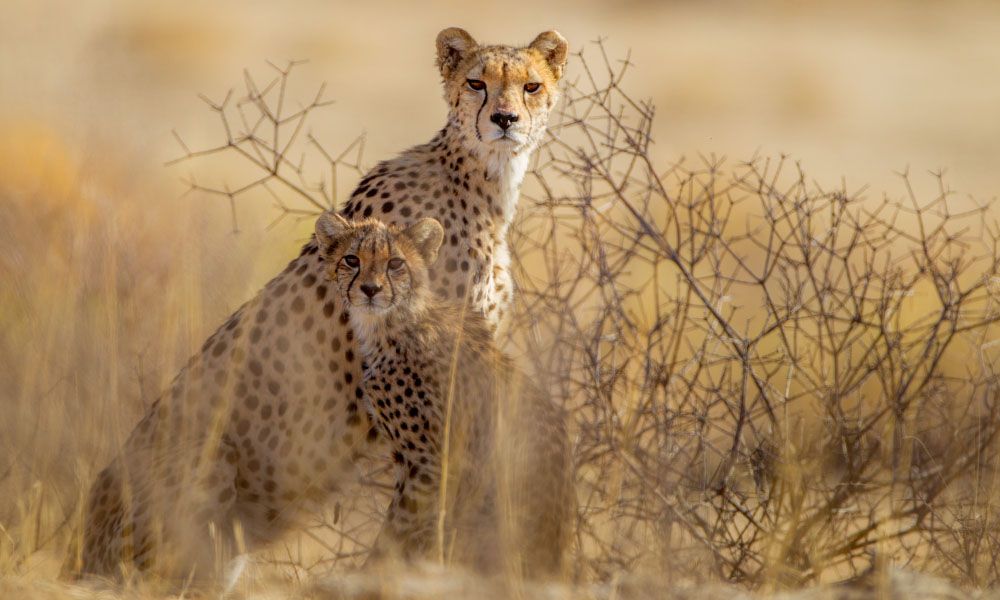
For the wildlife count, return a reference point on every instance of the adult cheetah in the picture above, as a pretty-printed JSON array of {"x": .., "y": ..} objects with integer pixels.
[
  {"x": 266, "y": 418},
  {"x": 482, "y": 455}
]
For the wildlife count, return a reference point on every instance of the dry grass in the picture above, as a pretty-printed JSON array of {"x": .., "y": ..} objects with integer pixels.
[
  {"x": 783, "y": 384},
  {"x": 788, "y": 384}
]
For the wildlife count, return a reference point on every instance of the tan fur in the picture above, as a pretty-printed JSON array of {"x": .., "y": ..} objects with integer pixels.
[
  {"x": 483, "y": 457},
  {"x": 505, "y": 71},
  {"x": 265, "y": 421}
]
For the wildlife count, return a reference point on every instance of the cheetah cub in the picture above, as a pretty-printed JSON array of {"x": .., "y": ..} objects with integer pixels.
[{"x": 482, "y": 455}]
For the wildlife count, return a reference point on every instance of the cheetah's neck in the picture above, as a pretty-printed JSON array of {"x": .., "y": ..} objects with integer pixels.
[
  {"x": 413, "y": 328},
  {"x": 500, "y": 171}
]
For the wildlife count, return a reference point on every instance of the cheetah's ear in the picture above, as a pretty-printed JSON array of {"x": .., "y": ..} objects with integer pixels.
[
  {"x": 553, "y": 48},
  {"x": 426, "y": 234},
  {"x": 453, "y": 46},
  {"x": 329, "y": 228}
]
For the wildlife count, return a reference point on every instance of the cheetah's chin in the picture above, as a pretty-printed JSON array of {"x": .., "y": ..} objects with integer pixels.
[
  {"x": 370, "y": 309},
  {"x": 509, "y": 140}
]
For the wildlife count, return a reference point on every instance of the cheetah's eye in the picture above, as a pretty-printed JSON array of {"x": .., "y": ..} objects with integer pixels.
[
  {"x": 476, "y": 84},
  {"x": 532, "y": 87},
  {"x": 395, "y": 263},
  {"x": 352, "y": 261}
]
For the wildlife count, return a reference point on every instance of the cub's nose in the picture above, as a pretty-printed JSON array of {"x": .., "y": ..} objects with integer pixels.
[
  {"x": 504, "y": 120},
  {"x": 370, "y": 290}
]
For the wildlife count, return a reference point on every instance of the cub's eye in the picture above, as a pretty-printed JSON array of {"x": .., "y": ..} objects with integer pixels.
[
  {"x": 352, "y": 261},
  {"x": 531, "y": 88},
  {"x": 395, "y": 263},
  {"x": 476, "y": 84}
]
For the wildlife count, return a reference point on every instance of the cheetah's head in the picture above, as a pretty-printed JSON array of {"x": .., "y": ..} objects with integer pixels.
[
  {"x": 500, "y": 96},
  {"x": 378, "y": 268}
]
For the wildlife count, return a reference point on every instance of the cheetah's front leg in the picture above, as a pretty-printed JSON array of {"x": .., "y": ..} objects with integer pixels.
[
  {"x": 410, "y": 529},
  {"x": 162, "y": 511}
]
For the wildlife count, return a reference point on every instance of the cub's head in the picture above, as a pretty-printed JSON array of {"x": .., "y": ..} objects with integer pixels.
[
  {"x": 377, "y": 268},
  {"x": 500, "y": 96}
]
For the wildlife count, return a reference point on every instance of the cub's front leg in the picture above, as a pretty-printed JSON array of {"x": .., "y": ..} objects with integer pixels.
[{"x": 410, "y": 529}]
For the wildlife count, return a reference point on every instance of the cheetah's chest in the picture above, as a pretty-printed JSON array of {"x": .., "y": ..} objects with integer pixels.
[{"x": 401, "y": 394}]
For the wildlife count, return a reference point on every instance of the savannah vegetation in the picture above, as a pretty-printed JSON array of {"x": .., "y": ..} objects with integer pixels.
[{"x": 783, "y": 382}]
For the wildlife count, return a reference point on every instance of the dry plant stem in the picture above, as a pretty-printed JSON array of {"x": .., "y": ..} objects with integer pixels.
[
  {"x": 446, "y": 448},
  {"x": 266, "y": 138}
]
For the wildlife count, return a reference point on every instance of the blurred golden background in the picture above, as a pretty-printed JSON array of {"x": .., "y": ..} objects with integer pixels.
[{"x": 850, "y": 88}]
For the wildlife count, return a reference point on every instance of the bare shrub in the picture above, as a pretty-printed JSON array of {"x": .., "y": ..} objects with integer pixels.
[
  {"x": 782, "y": 382},
  {"x": 783, "y": 379},
  {"x": 271, "y": 141}
]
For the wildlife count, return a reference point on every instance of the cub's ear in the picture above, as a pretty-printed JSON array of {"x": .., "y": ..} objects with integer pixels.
[
  {"x": 426, "y": 234},
  {"x": 330, "y": 227},
  {"x": 453, "y": 46},
  {"x": 553, "y": 48}
]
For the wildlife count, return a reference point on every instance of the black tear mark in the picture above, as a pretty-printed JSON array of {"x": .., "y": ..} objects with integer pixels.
[
  {"x": 351, "y": 284},
  {"x": 388, "y": 276},
  {"x": 486, "y": 95},
  {"x": 531, "y": 118}
]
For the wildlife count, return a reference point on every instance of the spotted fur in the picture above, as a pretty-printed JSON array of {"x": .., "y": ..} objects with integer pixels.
[
  {"x": 266, "y": 420},
  {"x": 482, "y": 454}
]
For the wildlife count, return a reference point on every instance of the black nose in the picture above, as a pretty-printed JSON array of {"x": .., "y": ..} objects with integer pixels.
[
  {"x": 370, "y": 290},
  {"x": 503, "y": 119}
]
